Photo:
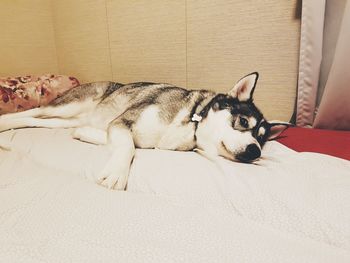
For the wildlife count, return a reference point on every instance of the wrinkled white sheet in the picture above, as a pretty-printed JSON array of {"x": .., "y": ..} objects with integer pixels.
[{"x": 179, "y": 207}]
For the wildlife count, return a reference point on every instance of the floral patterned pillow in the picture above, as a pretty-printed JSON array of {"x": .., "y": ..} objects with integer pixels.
[{"x": 23, "y": 93}]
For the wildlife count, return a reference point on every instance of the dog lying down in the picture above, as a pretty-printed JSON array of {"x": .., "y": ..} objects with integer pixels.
[{"x": 150, "y": 115}]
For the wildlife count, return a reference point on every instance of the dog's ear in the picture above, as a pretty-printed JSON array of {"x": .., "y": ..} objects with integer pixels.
[
  {"x": 276, "y": 128},
  {"x": 244, "y": 88}
]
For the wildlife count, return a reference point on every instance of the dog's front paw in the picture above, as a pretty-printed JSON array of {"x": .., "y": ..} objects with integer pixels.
[{"x": 113, "y": 179}]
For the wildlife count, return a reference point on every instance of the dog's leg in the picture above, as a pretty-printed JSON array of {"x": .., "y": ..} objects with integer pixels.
[
  {"x": 90, "y": 135},
  {"x": 8, "y": 124},
  {"x": 28, "y": 113},
  {"x": 116, "y": 171},
  {"x": 61, "y": 111}
]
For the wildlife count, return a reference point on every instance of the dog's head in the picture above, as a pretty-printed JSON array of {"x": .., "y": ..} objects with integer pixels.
[{"x": 233, "y": 127}]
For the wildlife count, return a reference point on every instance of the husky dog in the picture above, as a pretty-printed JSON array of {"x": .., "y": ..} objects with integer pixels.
[{"x": 150, "y": 115}]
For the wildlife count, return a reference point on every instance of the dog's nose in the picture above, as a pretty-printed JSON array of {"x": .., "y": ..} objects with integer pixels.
[{"x": 251, "y": 153}]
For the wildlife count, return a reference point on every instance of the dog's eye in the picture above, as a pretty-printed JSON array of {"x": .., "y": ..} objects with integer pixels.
[
  {"x": 243, "y": 122},
  {"x": 226, "y": 105}
]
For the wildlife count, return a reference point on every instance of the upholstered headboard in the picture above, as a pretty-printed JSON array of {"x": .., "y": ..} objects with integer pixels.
[{"x": 195, "y": 44}]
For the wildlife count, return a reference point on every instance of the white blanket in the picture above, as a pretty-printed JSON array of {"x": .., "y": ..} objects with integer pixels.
[{"x": 179, "y": 207}]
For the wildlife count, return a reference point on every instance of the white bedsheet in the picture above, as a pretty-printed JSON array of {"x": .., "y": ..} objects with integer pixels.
[{"x": 179, "y": 207}]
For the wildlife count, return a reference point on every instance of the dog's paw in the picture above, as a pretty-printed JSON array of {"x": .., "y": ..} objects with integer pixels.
[
  {"x": 6, "y": 146},
  {"x": 76, "y": 134},
  {"x": 113, "y": 179}
]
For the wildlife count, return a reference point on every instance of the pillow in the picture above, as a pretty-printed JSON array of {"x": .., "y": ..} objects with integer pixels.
[{"x": 23, "y": 93}]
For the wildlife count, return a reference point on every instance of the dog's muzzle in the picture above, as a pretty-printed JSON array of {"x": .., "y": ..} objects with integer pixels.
[{"x": 251, "y": 153}]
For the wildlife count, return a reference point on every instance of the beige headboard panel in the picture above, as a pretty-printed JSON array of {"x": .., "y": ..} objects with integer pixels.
[{"x": 195, "y": 44}]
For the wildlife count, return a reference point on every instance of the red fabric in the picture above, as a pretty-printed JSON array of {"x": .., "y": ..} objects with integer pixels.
[{"x": 335, "y": 143}]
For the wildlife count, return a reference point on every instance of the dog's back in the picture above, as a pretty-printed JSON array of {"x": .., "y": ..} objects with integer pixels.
[{"x": 102, "y": 102}]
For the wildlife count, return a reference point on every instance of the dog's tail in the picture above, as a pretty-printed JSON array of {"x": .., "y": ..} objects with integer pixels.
[{"x": 95, "y": 91}]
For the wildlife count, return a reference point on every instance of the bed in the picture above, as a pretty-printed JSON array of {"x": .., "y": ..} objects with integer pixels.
[{"x": 180, "y": 207}]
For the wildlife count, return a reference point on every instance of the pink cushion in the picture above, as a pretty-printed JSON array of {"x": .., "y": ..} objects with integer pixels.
[{"x": 23, "y": 93}]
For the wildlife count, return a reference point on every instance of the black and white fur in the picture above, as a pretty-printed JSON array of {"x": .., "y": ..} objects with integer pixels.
[{"x": 149, "y": 115}]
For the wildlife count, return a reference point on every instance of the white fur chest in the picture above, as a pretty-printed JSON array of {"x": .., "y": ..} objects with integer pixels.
[{"x": 151, "y": 132}]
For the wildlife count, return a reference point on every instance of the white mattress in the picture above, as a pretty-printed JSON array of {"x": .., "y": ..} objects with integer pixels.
[{"x": 179, "y": 207}]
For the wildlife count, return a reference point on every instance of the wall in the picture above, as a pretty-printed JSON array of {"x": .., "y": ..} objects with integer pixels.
[
  {"x": 27, "y": 43},
  {"x": 82, "y": 39}
]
